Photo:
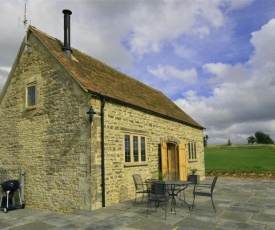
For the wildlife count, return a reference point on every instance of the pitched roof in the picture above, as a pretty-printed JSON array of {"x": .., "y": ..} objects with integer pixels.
[{"x": 101, "y": 79}]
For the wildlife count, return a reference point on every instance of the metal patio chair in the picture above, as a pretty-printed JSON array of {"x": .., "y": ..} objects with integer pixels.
[
  {"x": 140, "y": 187},
  {"x": 204, "y": 190},
  {"x": 150, "y": 184},
  {"x": 159, "y": 196}
]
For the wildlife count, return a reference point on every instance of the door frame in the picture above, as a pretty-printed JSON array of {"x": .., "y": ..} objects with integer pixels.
[{"x": 181, "y": 160}]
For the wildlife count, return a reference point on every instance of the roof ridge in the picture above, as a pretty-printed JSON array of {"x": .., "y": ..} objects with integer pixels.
[{"x": 40, "y": 31}]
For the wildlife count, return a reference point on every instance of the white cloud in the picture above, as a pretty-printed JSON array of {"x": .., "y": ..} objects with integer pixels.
[
  {"x": 167, "y": 72},
  {"x": 183, "y": 51},
  {"x": 202, "y": 31},
  {"x": 263, "y": 41},
  {"x": 91, "y": 30},
  {"x": 153, "y": 24},
  {"x": 238, "y": 4},
  {"x": 242, "y": 100},
  {"x": 227, "y": 73},
  {"x": 5, "y": 69},
  {"x": 114, "y": 31}
]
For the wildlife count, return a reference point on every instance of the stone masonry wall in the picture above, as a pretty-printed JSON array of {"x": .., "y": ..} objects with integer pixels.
[
  {"x": 50, "y": 142},
  {"x": 118, "y": 120}
]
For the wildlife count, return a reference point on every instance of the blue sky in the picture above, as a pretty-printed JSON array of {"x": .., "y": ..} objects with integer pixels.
[{"x": 213, "y": 58}]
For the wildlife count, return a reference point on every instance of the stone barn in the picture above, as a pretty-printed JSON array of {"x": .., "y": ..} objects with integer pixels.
[{"x": 80, "y": 128}]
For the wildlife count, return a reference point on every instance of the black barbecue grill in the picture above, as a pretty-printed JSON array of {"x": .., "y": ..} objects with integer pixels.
[{"x": 10, "y": 185}]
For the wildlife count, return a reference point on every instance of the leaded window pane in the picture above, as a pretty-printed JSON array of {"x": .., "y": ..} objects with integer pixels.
[
  {"x": 127, "y": 148},
  {"x": 143, "y": 149},
  {"x": 31, "y": 96},
  {"x": 135, "y": 143}
]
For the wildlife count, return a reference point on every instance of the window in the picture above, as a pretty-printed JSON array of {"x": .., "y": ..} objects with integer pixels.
[
  {"x": 143, "y": 150},
  {"x": 127, "y": 148},
  {"x": 135, "y": 149},
  {"x": 135, "y": 142},
  {"x": 192, "y": 151},
  {"x": 31, "y": 95}
]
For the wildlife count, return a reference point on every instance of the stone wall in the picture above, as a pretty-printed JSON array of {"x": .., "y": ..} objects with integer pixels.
[
  {"x": 120, "y": 119},
  {"x": 50, "y": 142}
]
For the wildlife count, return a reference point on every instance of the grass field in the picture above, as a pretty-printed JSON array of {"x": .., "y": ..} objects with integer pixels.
[{"x": 240, "y": 159}]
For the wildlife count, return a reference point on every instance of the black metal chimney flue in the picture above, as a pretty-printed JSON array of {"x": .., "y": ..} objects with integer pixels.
[{"x": 67, "y": 47}]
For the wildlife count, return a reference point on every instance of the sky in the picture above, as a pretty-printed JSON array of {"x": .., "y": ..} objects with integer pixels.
[{"x": 214, "y": 58}]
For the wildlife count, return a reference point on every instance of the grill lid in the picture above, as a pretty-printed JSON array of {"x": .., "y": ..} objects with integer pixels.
[{"x": 10, "y": 185}]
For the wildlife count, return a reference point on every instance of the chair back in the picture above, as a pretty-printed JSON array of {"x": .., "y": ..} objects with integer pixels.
[
  {"x": 150, "y": 183},
  {"x": 159, "y": 188},
  {"x": 213, "y": 183},
  {"x": 138, "y": 181}
]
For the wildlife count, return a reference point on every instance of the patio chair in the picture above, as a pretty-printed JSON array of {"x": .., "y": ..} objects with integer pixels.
[
  {"x": 149, "y": 185},
  {"x": 204, "y": 190},
  {"x": 159, "y": 196},
  {"x": 140, "y": 187}
]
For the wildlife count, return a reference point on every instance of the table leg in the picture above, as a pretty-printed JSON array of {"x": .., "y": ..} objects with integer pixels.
[
  {"x": 183, "y": 200},
  {"x": 172, "y": 194}
]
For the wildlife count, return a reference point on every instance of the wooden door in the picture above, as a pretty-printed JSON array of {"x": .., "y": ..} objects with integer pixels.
[
  {"x": 164, "y": 163},
  {"x": 173, "y": 161},
  {"x": 182, "y": 162}
]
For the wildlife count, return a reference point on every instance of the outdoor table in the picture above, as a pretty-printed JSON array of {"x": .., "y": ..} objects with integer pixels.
[{"x": 174, "y": 187}]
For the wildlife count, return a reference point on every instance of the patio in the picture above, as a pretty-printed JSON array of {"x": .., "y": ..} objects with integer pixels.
[{"x": 240, "y": 204}]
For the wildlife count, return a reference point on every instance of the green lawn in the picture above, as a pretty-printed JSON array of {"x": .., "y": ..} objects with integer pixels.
[{"x": 240, "y": 159}]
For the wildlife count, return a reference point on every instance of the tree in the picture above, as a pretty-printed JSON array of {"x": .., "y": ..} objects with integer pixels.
[
  {"x": 229, "y": 142},
  {"x": 205, "y": 139},
  {"x": 251, "y": 140},
  {"x": 263, "y": 138}
]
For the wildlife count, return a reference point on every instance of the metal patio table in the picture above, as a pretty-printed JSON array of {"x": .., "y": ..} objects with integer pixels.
[{"x": 174, "y": 188}]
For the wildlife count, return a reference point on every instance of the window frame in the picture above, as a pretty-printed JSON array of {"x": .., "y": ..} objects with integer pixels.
[
  {"x": 192, "y": 151},
  {"x": 135, "y": 148},
  {"x": 28, "y": 105}
]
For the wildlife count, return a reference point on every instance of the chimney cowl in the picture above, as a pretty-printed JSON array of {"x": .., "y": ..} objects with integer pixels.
[{"x": 67, "y": 30}]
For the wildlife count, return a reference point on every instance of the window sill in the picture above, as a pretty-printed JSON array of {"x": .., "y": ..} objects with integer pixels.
[
  {"x": 195, "y": 160},
  {"x": 31, "y": 107},
  {"x": 130, "y": 164}
]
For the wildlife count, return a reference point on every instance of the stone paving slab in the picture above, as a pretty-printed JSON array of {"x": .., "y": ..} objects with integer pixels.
[
  {"x": 33, "y": 226},
  {"x": 241, "y": 225},
  {"x": 236, "y": 215},
  {"x": 240, "y": 204}
]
